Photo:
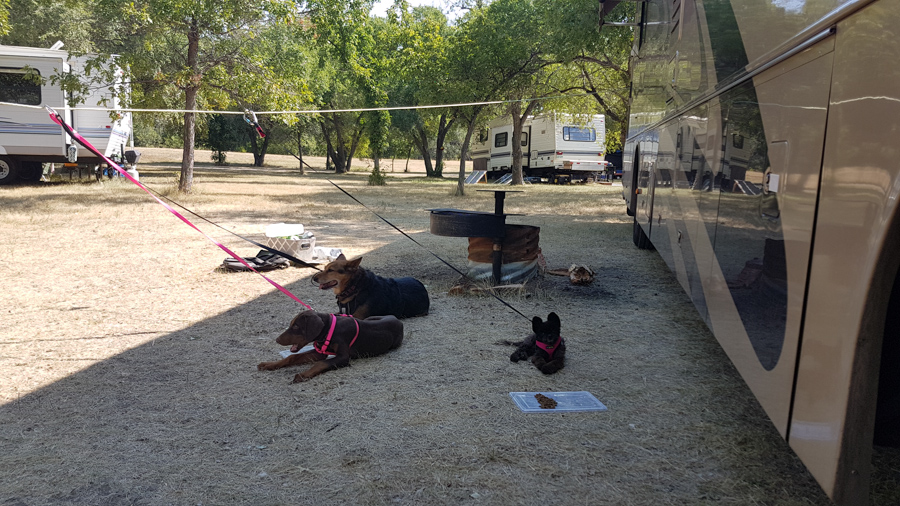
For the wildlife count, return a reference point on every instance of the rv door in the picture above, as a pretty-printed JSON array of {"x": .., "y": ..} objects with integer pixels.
[{"x": 526, "y": 146}]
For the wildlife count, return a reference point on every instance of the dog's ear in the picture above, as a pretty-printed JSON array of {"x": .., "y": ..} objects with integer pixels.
[
  {"x": 309, "y": 324},
  {"x": 341, "y": 257},
  {"x": 536, "y": 323},
  {"x": 553, "y": 319},
  {"x": 353, "y": 264}
]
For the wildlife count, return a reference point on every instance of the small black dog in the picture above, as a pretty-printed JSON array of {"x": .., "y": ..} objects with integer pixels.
[{"x": 545, "y": 346}]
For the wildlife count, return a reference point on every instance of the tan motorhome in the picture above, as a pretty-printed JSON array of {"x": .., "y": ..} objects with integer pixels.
[{"x": 762, "y": 164}]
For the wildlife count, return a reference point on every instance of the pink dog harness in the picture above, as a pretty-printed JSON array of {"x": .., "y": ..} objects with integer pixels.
[
  {"x": 323, "y": 348},
  {"x": 549, "y": 349}
]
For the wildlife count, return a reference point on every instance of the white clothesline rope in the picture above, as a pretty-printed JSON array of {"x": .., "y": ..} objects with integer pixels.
[{"x": 301, "y": 111}]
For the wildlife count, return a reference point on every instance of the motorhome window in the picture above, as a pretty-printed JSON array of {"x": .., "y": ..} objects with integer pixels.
[
  {"x": 578, "y": 134},
  {"x": 737, "y": 140},
  {"x": 501, "y": 139},
  {"x": 524, "y": 138},
  {"x": 20, "y": 87},
  {"x": 482, "y": 135}
]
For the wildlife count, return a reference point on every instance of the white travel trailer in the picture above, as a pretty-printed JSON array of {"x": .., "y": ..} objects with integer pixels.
[
  {"x": 556, "y": 146},
  {"x": 28, "y": 137}
]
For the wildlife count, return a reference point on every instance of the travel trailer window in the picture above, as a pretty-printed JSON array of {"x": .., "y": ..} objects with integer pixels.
[
  {"x": 501, "y": 139},
  {"x": 20, "y": 87},
  {"x": 579, "y": 134}
]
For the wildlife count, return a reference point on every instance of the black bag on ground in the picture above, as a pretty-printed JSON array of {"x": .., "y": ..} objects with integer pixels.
[{"x": 263, "y": 261}]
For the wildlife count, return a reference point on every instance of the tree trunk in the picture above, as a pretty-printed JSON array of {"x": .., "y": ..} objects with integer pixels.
[
  {"x": 354, "y": 143},
  {"x": 300, "y": 149},
  {"x": 461, "y": 180},
  {"x": 341, "y": 140},
  {"x": 340, "y": 150},
  {"x": 420, "y": 139},
  {"x": 470, "y": 130},
  {"x": 516, "y": 141},
  {"x": 259, "y": 149},
  {"x": 186, "y": 181},
  {"x": 443, "y": 129},
  {"x": 518, "y": 119},
  {"x": 329, "y": 149}
]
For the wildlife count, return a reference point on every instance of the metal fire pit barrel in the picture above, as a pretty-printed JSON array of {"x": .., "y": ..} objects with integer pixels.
[
  {"x": 471, "y": 224},
  {"x": 521, "y": 254},
  {"x": 460, "y": 223}
]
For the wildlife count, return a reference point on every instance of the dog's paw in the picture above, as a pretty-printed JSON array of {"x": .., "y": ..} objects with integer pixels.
[
  {"x": 300, "y": 378},
  {"x": 550, "y": 368},
  {"x": 266, "y": 366}
]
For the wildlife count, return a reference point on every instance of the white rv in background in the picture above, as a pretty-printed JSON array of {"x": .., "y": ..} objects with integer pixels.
[
  {"x": 559, "y": 147},
  {"x": 28, "y": 137}
]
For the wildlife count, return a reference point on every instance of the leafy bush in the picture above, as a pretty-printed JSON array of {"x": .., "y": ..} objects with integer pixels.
[{"x": 225, "y": 133}]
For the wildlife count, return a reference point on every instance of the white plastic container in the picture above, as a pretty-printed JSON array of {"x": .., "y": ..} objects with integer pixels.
[{"x": 284, "y": 230}]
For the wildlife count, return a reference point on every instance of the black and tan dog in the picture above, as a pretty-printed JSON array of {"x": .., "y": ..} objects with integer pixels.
[
  {"x": 362, "y": 293},
  {"x": 344, "y": 337},
  {"x": 545, "y": 345}
]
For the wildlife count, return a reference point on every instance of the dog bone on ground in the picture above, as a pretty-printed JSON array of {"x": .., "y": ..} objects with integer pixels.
[{"x": 578, "y": 274}]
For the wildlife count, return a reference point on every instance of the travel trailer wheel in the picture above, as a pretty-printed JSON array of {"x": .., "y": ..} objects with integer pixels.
[
  {"x": 31, "y": 171},
  {"x": 9, "y": 170}
]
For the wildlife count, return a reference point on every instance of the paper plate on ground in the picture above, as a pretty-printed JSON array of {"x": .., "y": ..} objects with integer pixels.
[{"x": 566, "y": 402}]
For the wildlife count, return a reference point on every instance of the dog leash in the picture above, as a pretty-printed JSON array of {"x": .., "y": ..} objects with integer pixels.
[
  {"x": 250, "y": 118},
  {"x": 78, "y": 138},
  {"x": 448, "y": 264}
]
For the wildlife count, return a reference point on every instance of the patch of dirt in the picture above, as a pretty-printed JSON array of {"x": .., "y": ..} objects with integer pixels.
[{"x": 129, "y": 363}]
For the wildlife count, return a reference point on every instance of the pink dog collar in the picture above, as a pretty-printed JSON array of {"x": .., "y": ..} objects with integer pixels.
[
  {"x": 323, "y": 348},
  {"x": 549, "y": 349}
]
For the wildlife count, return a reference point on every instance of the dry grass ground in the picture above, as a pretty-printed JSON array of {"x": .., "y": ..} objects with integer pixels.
[{"x": 128, "y": 363}]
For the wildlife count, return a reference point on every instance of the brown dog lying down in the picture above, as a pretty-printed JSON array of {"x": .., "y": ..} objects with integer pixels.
[
  {"x": 344, "y": 337},
  {"x": 362, "y": 293}
]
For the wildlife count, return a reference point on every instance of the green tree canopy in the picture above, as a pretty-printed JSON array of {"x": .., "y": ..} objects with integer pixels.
[{"x": 191, "y": 52}]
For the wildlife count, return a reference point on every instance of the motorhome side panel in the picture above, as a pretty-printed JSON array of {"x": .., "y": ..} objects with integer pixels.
[
  {"x": 727, "y": 237},
  {"x": 854, "y": 268},
  {"x": 26, "y": 130},
  {"x": 743, "y": 188}
]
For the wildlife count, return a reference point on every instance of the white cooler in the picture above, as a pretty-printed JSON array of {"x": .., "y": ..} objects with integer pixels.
[{"x": 292, "y": 239}]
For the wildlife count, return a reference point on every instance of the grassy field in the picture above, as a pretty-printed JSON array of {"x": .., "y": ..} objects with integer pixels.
[{"x": 129, "y": 360}]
